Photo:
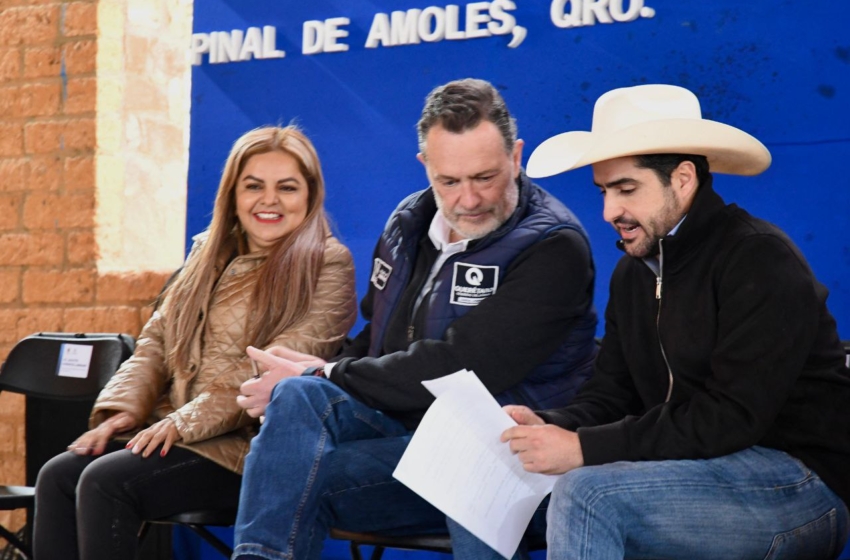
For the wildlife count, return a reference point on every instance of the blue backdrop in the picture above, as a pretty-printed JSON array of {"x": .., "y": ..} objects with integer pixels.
[{"x": 777, "y": 69}]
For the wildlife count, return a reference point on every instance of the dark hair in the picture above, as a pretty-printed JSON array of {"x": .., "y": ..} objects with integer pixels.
[
  {"x": 461, "y": 105},
  {"x": 665, "y": 164}
]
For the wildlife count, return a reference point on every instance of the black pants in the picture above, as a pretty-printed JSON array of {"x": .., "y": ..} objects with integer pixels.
[{"x": 91, "y": 508}]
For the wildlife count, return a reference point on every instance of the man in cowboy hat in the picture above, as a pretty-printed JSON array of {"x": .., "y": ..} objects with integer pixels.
[{"x": 717, "y": 421}]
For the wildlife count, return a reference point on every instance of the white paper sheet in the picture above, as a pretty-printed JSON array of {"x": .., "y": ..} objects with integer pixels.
[
  {"x": 74, "y": 360},
  {"x": 456, "y": 462}
]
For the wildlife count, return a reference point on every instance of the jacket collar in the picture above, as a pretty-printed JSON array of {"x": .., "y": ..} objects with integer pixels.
[{"x": 704, "y": 217}]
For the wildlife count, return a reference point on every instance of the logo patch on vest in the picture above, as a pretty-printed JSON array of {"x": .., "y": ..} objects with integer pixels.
[
  {"x": 472, "y": 283},
  {"x": 380, "y": 274}
]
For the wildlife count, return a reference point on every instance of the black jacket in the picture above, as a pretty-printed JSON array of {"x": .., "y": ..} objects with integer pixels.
[{"x": 742, "y": 330}]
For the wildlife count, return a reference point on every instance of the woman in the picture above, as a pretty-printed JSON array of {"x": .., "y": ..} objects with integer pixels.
[{"x": 267, "y": 272}]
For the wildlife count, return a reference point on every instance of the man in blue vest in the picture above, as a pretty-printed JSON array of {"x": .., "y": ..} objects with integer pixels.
[{"x": 483, "y": 270}]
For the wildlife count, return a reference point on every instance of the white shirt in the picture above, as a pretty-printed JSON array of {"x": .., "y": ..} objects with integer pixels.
[{"x": 440, "y": 232}]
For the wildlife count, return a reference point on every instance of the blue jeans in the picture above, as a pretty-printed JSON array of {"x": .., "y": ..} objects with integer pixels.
[
  {"x": 466, "y": 546},
  {"x": 757, "y": 503},
  {"x": 322, "y": 459}
]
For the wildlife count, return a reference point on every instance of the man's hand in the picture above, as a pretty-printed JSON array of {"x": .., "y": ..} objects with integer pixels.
[
  {"x": 307, "y": 360},
  {"x": 542, "y": 448},
  {"x": 256, "y": 393},
  {"x": 523, "y": 415}
]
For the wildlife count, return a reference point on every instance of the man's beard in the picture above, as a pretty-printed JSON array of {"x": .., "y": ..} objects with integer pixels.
[
  {"x": 656, "y": 228},
  {"x": 498, "y": 214}
]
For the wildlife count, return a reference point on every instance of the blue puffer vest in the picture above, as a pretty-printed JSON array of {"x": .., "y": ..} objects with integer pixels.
[{"x": 551, "y": 384}]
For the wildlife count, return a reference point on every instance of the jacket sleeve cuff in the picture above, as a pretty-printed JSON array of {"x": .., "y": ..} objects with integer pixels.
[
  {"x": 604, "y": 444},
  {"x": 338, "y": 370},
  {"x": 182, "y": 427},
  {"x": 556, "y": 418},
  {"x": 321, "y": 371}
]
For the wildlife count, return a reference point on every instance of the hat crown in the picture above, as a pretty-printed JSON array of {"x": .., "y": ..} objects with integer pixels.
[
  {"x": 625, "y": 107},
  {"x": 650, "y": 119}
]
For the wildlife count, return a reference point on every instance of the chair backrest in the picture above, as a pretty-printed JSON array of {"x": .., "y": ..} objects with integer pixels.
[
  {"x": 58, "y": 406},
  {"x": 64, "y": 366}
]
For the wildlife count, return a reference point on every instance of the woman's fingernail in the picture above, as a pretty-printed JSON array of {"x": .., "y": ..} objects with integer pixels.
[
  {"x": 128, "y": 445},
  {"x": 136, "y": 449},
  {"x": 162, "y": 453}
]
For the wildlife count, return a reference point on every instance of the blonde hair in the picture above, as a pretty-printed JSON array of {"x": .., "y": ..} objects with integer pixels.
[{"x": 287, "y": 280}]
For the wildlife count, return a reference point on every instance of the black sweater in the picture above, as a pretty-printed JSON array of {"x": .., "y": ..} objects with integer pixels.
[{"x": 742, "y": 329}]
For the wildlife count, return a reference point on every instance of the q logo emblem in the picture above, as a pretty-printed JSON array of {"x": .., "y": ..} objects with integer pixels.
[
  {"x": 473, "y": 283},
  {"x": 474, "y": 276}
]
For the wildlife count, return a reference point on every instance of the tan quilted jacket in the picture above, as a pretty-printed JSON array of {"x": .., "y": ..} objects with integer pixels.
[{"x": 202, "y": 400}]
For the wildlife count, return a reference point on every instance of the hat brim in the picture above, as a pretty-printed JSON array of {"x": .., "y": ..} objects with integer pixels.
[{"x": 728, "y": 149}]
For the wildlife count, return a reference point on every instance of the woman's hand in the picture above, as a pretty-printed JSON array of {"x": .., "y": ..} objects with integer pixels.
[
  {"x": 94, "y": 441},
  {"x": 163, "y": 432}
]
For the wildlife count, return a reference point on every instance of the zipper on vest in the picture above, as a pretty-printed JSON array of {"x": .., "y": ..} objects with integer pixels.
[
  {"x": 658, "y": 284},
  {"x": 411, "y": 328},
  {"x": 413, "y": 309}
]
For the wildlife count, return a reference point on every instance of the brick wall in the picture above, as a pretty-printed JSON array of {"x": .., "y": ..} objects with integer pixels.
[{"x": 49, "y": 279}]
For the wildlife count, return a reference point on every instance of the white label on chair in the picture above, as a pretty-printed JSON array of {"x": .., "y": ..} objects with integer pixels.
[{"x": 74, "y": 360}]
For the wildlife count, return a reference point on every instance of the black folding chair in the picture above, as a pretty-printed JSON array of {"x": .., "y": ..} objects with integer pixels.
[
  {"x": 197, "y": 522},
  {"x": 59, "y": 396}
]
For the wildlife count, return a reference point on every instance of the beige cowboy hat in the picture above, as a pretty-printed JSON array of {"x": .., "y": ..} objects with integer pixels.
[{"x": 650, "y": 119}]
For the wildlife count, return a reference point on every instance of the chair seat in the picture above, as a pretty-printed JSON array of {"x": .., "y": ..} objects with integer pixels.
[
  {"x": 432, "y": 543},
  {"x": 216, "y": 517},
  {"x": 196, "y": 521},
  {"x": 16, "y": 497}
]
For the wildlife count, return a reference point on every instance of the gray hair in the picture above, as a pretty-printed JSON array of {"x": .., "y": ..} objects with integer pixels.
[{"x": 461, "y": 105}]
